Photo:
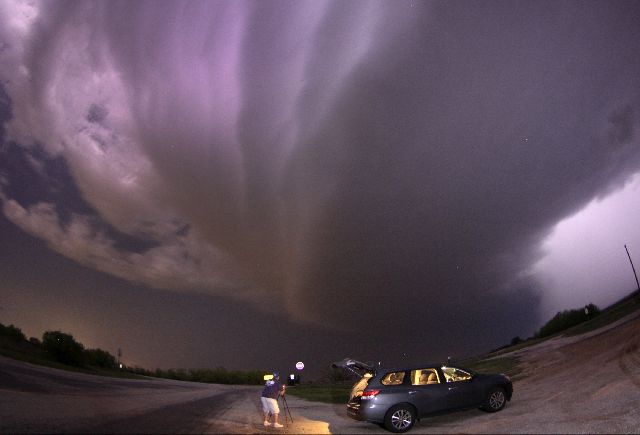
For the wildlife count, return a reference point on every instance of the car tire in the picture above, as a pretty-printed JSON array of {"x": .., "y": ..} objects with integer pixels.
[
  {"x": 400, "y": 418},
  {"x": 495, "y": 401}
]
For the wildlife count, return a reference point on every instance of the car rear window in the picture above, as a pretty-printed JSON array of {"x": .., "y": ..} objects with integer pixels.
[
  {"x": 359, "y": 386},
  {"x": 425, "y": 377}
]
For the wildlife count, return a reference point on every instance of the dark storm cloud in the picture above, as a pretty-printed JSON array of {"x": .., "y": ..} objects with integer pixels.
[
  {"x": 392, "y": 164},
  {"x": 462, "y": 151}
]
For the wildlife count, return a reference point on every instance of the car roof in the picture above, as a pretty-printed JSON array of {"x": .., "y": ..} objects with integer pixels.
[
  {"x": 350, "y": 364},
  {"x": 411, "y": 367}
]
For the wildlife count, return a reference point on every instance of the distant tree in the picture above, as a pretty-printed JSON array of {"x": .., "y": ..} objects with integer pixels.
[
  {"x": 218, "y": 375},
  {"x": 515, "y": 340},
  {"x": 35, "y": 341},
  {"x": 336, "y": 375},
  {"x": 591, "y": 311},
  {"x": 568, "y": 318},
  {"x": 12, "y": 333},
  {"x": 141, "y": 371},
  {"x": 100, "y": 358},
  {"x": 63, "y": 348}
]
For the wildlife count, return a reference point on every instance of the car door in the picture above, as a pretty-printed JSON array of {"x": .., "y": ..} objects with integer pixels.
[
  {"x": 429, "y": 396},
  {"x": 463, "y": 391}
]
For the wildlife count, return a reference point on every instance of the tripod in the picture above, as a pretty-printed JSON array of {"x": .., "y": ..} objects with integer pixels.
[{"x": 286, "y": 409}]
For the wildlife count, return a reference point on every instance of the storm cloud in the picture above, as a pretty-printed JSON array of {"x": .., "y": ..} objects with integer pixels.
[{"x": 389, "y": 164}]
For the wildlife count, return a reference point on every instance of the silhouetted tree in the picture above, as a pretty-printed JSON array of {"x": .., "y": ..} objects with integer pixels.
[
  {"x": 100, "y": 358},
  {"x": 566, "y": 319},
  {"x": 12, "y": 333},
  {"x": 63, "y": 348},
  {"x": 515, "y": 340}
]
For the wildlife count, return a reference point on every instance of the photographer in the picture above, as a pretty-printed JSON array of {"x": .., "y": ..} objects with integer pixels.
[{"x": 269, "y": 398}]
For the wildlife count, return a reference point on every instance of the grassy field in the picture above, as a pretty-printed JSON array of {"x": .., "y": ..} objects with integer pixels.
[
  {"x": 507, "y": 365},
  {"x": 615, "y": 312},
  {"x": 335, "y": 393}
]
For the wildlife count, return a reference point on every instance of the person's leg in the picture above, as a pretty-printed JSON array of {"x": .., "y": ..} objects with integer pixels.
[
  {"x": 275, "y": 411},
  {"x": 265, "y": 410}
]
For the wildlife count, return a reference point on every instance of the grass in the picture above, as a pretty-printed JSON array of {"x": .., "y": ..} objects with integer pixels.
[
  {"x": 508, "y": 365},
  {"x": 608, "y": 316},
  {"x": 334, "y": 393}
]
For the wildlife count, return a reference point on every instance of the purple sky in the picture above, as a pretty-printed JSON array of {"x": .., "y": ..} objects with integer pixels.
[{"x": 249, "y": 184}]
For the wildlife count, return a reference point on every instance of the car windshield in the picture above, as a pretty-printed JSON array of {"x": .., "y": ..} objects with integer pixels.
[{"x": 453, "y": 374}]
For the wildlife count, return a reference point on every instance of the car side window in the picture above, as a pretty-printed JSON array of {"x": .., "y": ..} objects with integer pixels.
[
  {"x": 425, "y": 377},
  {"x": 453, "y": 374},
  {"x": 394, "y": 378}
]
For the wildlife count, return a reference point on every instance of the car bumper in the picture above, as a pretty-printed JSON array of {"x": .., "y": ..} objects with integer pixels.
[{"x": 370, "y": 412}]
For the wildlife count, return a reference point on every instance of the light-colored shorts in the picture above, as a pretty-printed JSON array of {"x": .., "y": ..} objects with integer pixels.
[{"x": 270, "y": 405}]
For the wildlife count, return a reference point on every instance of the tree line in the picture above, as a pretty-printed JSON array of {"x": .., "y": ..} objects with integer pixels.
[
  {"x": 566, "y": 319},
  {"x": 218, "y": 375},
  {"x": 562, "y": 321},
  {"x": 56, "y": 346},
  {"x": 63, "y": 348}
]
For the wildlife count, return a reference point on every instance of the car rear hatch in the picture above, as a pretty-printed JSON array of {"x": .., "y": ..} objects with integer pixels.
[
  {"x": 365, "y": 371},
  {"x": 358, "y": 367}
]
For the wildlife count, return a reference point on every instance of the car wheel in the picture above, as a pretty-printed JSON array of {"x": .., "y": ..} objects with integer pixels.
[
  {"x": 400, "y": 418},
  {"x": 495, "y": 401}
]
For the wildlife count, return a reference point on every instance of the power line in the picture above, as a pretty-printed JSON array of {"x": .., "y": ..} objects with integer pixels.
[{"x": 633, "y": 268}]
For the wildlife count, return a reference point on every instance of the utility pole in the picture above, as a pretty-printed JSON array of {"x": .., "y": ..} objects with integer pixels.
[{"x": 633, "y": 268}]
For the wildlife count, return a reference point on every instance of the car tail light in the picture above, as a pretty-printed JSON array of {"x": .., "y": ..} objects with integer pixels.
[{"x": 369, "y": 394}]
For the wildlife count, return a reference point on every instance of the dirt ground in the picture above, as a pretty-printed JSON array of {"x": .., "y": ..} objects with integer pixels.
[{"x": 583, "y": 384}]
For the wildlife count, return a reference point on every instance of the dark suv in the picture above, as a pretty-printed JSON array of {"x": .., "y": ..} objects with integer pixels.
[{"x": 396, "y": 397}]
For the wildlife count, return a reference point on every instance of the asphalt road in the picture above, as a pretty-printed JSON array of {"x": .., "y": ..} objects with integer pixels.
[{"x": 41, "y": 399}]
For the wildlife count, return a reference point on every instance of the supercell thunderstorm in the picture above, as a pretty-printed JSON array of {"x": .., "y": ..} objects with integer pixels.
[{"x": 358, "y": 161}]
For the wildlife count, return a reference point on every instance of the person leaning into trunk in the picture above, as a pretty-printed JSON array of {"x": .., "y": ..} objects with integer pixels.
[{"x": 269, "y": 398}]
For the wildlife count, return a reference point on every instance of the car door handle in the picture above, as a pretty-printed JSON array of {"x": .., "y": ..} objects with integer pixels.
[
  {"x": 452, "y": 388},
  {"x": 413, "y": 391}
]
